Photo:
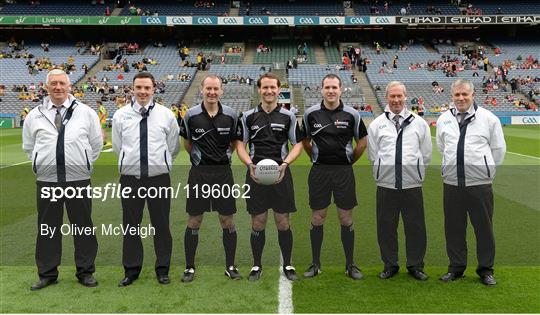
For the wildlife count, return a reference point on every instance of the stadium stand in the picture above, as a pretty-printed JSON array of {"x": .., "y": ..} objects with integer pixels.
[
  {"x": 55, "y": 8},
  {"x": 214, "y": 7},
  {"x": 284, "y": 7},
  {"x": 421, "y": 81},
  {"x": 281, "y": 51}
]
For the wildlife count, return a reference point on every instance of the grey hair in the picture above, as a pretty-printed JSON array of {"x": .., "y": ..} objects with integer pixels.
[
  {"x": 57, "y": 72},
  {"x": 460, "y": 82},
  {"x": 396, "y": 83}
]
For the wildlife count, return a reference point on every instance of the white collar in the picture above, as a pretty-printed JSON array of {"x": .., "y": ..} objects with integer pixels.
[
  {"x": 469, "y": 112},
  {"x": 403, "y": 114},
  {"x": 137, "y": 107},
  {"x": 66, "y": 104}
]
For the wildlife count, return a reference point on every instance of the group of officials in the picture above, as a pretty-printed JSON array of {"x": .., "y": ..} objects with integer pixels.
[{"x": 62, "y": 137}]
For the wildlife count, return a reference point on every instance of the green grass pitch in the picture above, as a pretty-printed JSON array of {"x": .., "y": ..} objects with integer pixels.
[{"x": 517, "y": 264}]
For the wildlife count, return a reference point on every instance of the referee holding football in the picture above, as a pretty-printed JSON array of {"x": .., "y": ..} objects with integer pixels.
[
  {"x": 145, "y": 138},
  {"x": 267, "y": 129},
  {"x": 329, "y": 129},
  {"x": 209, "y": 130}
]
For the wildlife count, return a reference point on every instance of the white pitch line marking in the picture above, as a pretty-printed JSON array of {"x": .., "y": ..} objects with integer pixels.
[
  {"x": 284, "y": 292},
  {"x": 6, "y": 166},
  {"x": 518, "y": 154}
]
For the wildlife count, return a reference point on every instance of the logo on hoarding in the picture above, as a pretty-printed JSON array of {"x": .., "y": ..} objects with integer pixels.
[
  {"x": 255, "y": 21},
  {"x": 281, "y": 20},
  {"x": 125, "y": 20},
  {"x": 103, "y": 20},
  {"x": 529, "y": 120},
  {"x": 331, "y": 20},
  {"x": 357, "y": 20},
  {"x": 303, "y": 20},
  {"x": 204, "y": 20},
  {"x": 230, "y": 20},
  {"x": 179, "y": 20},
  {"x": 20, "y": 20},
  {"x": 153, "y": 20},
  {"x": 382, "y": 20}
]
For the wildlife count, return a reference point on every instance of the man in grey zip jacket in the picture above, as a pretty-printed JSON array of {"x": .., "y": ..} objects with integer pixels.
[
  {"x": 471, "y": 142},
  {"x": 399, "y": 146},
  {"x": 62, "y": 138}
]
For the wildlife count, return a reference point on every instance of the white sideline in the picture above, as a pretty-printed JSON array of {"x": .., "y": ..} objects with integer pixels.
[
  {"x": 518, "y": 154},
  {"x": 6, "y": 166},
  {"x": 523, "y": 155},
  {"x": 284, "y": 292}
]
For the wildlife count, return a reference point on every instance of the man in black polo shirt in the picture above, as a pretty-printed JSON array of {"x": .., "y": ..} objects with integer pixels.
[
  {"x": 329, "y": 129},
  {"x": 267, "y": 129},
  {"x": 209, "y": 130}
]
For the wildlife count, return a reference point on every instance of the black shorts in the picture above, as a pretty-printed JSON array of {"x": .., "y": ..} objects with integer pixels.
[
  {"x": 278, "y": 197},
  {"x": 325, "y": 180},
  {"x": 221, "y": 176}
]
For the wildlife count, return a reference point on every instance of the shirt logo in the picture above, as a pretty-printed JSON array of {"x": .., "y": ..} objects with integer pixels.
[
  {"x": 278, "y": 127},
  {"x": 341, "y": 124},
  {"x": 320, "y": 127},
  {"x": 201, "y": 133}
]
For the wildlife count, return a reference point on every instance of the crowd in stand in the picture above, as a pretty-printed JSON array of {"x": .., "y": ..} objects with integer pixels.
[
  {"x": 235, "y": 78},
  {"x": 134, "y": 10},
  {"x": 204, "y": 4},
  {"x": 32, "y": 93}
]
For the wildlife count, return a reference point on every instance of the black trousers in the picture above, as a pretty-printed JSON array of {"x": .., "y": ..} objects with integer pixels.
[
  {"x": 51, "y": 215},
  {"x": 159, "y": 208},
  {"x": 410, "y": 203},
  {"x": 477, "y": 201}
]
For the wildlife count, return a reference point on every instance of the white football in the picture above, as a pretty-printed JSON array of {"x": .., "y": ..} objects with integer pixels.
[{"x": 267, "y": 171}]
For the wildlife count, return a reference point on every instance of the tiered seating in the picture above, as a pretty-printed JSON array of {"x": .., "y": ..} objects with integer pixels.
[
  {"x": 221, "y": 7},
  {"x": 237, "y": 95},
  {"x": 58, "y": 53},
  {"x": 351, "y": 95},
  {"x": 313, "y": 74},
  {"x": 417, "y": 8},
  {"x": 14, "y": 71},
  {"x": 510, "y": 50},
  {"x": 55, "y": 8},
  {"x": 282, "y": 51},
  {"x": 285, "y": 7},
  {"x": 233, "y": 59},
  {"x": 516, "y": 7},
  {"x": 332, "y": 55},
  {"x": 418, "y": 82},
  {"x": 168, "y": 63}
]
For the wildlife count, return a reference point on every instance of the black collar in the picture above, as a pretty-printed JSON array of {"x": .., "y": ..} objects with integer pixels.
[
  {"x": 340, "y": 106},
  {"x": 260, "y": 108},
  {"x": 220, "y": 108}
]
